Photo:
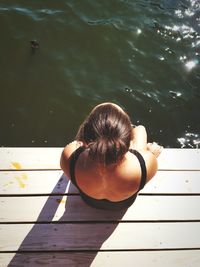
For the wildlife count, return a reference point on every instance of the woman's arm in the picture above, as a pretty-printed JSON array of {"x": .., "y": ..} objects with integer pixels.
[
  {"x": 149, "y": 151},
  {"x": 139, "y": 141},
  {"x": 65, "y": 156}
]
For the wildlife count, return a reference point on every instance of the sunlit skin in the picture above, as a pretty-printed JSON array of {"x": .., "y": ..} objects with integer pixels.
[{"x": 114, "y": 182}]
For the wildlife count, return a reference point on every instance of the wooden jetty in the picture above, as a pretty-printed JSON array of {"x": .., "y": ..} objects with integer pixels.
[{"x": 43, "y": 220}]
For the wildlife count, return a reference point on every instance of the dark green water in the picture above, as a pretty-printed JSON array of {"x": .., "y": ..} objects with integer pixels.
[{"x": 142, "y": 55}]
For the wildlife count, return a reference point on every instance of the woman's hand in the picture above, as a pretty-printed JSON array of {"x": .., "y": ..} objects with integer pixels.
[{"x": 154, "y": 148}]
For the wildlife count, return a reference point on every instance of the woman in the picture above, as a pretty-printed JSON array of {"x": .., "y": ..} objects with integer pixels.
[{"x": 110, "y": 161}]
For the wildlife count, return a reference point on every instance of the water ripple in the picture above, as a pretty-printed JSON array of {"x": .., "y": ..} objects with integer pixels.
[
  {"x": 50, "y": 11},
  {"x": 35, "y": 14},
  {"x": 141, "y": 54}
]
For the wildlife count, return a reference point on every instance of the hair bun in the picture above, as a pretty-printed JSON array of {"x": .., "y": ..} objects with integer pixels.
[
  {"x": 107, "y": 150},
  {"x": 107, "y": 131}
]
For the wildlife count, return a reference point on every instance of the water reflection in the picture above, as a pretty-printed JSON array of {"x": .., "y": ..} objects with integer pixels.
[
  {"x": 143, "y": 55},
  {"x": 190, "y": 140},
  {"x": 191, "y": 64}
]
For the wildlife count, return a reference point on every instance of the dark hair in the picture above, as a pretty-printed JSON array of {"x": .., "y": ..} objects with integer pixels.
[{"x": 107, "y": 132}]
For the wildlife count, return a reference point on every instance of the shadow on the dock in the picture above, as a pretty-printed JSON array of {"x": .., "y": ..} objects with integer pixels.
[{"x": 72, "y": 240}]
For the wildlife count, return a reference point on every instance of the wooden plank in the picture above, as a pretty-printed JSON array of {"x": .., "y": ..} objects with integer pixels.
[
  {"x": 72, "y": 208},
  {"x": 174, "y": 182},
  {"x": 49, "y": 158},
  {"x": 96, "y": 236},
  {"x": 179, "y": 159},
  {"x": 34, "y": 182},
  {"x": 47, "y": 182},
  {"x": 106, "y": 259},
  {"x": 30, "y": 158},
  {"x": 148, "y": 258}
]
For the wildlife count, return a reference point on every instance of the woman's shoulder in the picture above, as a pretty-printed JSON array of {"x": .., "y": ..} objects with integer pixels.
[
  {"x": 150, "y": 162},
  {"x": 130, "y": 172}
]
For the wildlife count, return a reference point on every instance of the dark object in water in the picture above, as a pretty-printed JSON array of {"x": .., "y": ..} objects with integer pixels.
[{"x": 34, "y": 44}]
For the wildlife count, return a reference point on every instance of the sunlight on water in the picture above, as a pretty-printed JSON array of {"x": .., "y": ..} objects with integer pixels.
[
  {"x": 175, "y": 94},
  {"x": 191, "y": 64},
  {"x": 189, "y": 140},
  {"x": 190, "y": 11}
]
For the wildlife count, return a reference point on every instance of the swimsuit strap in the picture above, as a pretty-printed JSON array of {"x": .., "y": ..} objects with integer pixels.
[
  {"x": 73, "y": 158},
  {"x": 143, "y": 168}
]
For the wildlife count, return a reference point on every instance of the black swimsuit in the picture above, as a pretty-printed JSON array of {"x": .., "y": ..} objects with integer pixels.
[{"x": 104, "y": 203}]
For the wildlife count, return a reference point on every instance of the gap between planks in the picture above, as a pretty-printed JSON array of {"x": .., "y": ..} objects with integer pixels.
[
  {"x": 101, "y": 250},
  {"x": 100, "y": 222}
]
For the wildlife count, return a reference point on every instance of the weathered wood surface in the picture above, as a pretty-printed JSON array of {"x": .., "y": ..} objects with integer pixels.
[
  {"x": 72, "y": 208},
  {"x": 53, "y": 182},
  {"x": 96, "y": 236},
  {"x": 49, "y": 158},
  {"x": 102, "y": 259},
  {"x": 30, "y": 158},
  {"x": 44, "y": 221}
]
